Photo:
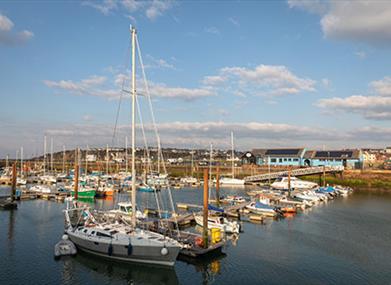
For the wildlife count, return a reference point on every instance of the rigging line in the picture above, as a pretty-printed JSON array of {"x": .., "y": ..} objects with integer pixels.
[
  {"x": 127, "y": 60},
  {"x": 155, "y": 128},
  {"x": 146, "y": 148}
]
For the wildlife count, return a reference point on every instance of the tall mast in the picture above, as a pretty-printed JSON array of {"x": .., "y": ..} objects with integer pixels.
[
  {"x": 210, "y": 167},
  {"x": 51, "y": 155},
  {"x": 232, "y": 154},
  {"x": 192, "y": 162},
  {"x": 63, "y": 159},
  {"x": 126, "y": 155},
  {"x": 44, "y": 155},
  {"x": 133, "y": 31},
  {"x": 21, "y": 161},
  {"x": 86, "y": 171},
  {"x": 107, "y": 159}
]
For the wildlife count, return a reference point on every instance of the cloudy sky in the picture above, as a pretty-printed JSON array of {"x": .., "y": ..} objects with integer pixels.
[{"x": 277, "y": 73}]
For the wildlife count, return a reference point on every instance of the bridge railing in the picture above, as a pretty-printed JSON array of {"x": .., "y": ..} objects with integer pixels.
[{"x": 295, "y": 172}]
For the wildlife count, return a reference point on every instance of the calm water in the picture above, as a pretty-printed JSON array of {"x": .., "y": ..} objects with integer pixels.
[{"x": 346, "y": 241}]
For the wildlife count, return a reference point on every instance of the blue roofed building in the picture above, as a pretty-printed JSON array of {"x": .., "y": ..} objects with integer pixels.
[{"x": 275, "y": 157}]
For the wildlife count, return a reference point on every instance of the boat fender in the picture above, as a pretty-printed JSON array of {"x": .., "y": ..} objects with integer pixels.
[
  {"x": 110, "y": 252},
  {"x": 164, "y": 251},
  {"x": 130, "y": 248},
  {"x": 65, "y": 237}
]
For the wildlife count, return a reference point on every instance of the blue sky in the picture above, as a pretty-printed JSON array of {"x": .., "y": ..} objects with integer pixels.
[{"x": 277, "y": 73}]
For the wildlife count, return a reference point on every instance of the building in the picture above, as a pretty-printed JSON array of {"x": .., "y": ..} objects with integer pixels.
[
  {"x": 300, "y": 157},
  {"x": 351, "y": 159},
  {"x": 275, "y": 157}
]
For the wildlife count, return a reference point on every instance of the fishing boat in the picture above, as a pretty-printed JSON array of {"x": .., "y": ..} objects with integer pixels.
[
  {"x": 117, "y": 241},
  {"x": 219, "y": 223},
  {"x": 282, "y": 183}
]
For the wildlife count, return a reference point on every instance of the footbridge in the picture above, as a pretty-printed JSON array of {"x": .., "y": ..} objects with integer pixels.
[{"x": 294, "y": 172}]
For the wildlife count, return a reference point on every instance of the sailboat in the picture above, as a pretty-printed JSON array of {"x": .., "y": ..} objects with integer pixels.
[
  {"x": 232, "y": 180},
  {"x": 122, "y": 242}
]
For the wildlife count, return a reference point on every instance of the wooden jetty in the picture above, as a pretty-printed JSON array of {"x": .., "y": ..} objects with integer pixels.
[{"x": 295, "y": 172}]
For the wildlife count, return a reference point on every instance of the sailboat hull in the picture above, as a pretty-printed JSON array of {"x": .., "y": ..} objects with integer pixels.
[{"x": 139, "y": 253}]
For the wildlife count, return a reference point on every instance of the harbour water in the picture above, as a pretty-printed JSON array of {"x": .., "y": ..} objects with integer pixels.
[{"x": 345, "y": 241}]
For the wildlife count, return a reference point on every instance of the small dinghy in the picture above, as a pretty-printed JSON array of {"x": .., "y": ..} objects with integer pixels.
[{"x": 64, "y": 247}]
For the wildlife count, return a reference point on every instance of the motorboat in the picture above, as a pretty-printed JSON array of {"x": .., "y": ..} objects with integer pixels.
[
  {"x": 40, "y": 189},
  {"x": 261, "y": 208},
  {"x": 230, "y": 181},
  {"x": 189, "y": 180},
  {"x": 233, "y": 199},
  {"x": 282, "y": 183},
  {"x": 125, "y": 209},
  {"x": 219, "y": 222}
]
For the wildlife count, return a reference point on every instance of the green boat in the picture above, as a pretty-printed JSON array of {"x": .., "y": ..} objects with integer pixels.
[{"x": 85, "y": 193}]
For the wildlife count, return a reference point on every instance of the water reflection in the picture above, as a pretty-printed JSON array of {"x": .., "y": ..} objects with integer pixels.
[
  {"x": 132, "y": 273},
  {"x": 209, "y": 266}
]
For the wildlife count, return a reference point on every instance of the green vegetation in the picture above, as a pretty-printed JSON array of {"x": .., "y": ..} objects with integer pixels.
[{"x": 354, "y": 182}]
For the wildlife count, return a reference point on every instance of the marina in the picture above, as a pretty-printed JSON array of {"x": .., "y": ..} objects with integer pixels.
[
  {"x": 195, "y": 142},
  {"x": 327, "y": 236}
]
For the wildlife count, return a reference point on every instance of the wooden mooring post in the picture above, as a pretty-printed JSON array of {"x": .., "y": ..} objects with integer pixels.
[{"x": 205, "y": 210}]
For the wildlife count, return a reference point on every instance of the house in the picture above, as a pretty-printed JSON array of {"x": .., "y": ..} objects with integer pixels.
[
  {"x": 275, "y": 157},
  {"x": 347, "y": 158},
  {"x": 301, "y": 157}
]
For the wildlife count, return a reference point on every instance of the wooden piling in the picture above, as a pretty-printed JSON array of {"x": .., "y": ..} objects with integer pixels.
[{"x": 205, "y": 220}]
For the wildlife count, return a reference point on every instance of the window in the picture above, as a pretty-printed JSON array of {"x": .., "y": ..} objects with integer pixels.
[
  {"x": 289, "y": 159},
  {"x": 99, "y": 234},
  {"x": 273, "y": 160},
  {"x": 280, "y": 160},
  {"x": 295, "y": 159}
]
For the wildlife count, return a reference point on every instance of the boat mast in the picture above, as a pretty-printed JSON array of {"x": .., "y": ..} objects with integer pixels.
[
  {"x": 107, "y": 159},
  {"x": 86, "y": 171},
  {"x": 133, "y": 32},
  {"x": 232, "y": 154},
  {"x": 21, "y": 161},
  {"x": 51, "y": 155},
  {"x": 63, "y": 158},
  {"x": 44, "y": 156},
  {"x": 126, "y": 155}
]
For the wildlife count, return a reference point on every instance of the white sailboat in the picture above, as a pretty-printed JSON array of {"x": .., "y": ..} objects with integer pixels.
[
  {"x": 232, "y": 180},
  {"x": 121, "y": 242}
]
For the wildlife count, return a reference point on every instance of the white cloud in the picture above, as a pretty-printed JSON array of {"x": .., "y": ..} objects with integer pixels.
[
  {"x": 373, "y": 107},
  {"x": 214, "y": 80},
  {"x": 105, "y": 7},
  {"x": 8, "y": 37},
  {"x": 383, "y": 86},
  {"x": 212, "y": 30},
  {"x": 151, "y": 8},
  {"x": 269, "y": 80},
  {"x": 365, "y": 21},
  {"x": 361, "y": 54},
  {"x": 189, "y": 94},
  {"x": 159, "y": 63},
  {"x": 234, "y": 21},
  {"x": 157, "y": 8},
  {"x": 5, "y": 23}
]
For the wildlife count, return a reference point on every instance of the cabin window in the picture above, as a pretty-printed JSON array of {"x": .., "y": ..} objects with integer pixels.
[
  {"x": 85, "y": 230},
  {"x": 93, "y": 232},
  {"x": 113, "y": 232},
  {"x": 99, "y": 234}
]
